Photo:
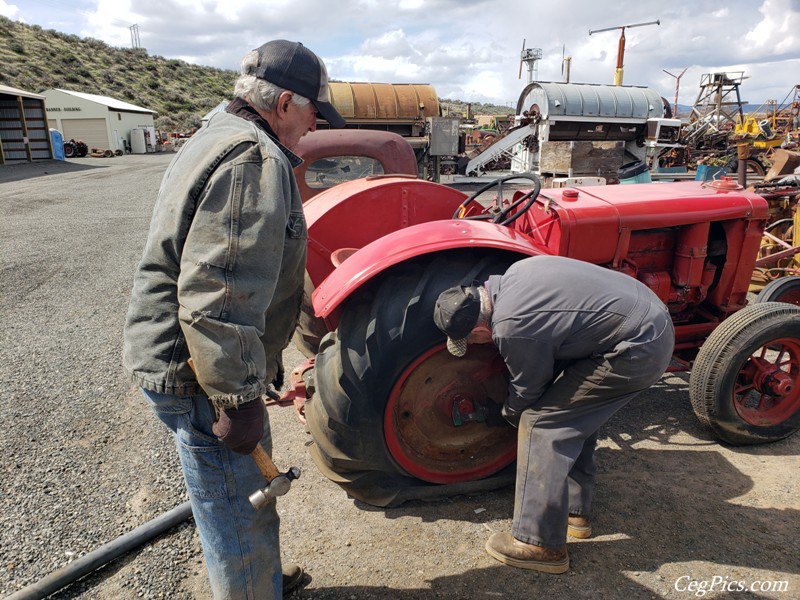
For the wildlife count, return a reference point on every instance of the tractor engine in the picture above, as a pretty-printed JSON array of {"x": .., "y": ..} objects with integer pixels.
[{"x": 660, "y": 234}]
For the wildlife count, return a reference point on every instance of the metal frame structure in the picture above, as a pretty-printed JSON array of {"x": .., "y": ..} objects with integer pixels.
[{"x": 718, "y": 106}]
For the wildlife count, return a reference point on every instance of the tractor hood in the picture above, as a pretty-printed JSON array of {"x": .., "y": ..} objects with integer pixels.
[{"x": 587, "y": 222}]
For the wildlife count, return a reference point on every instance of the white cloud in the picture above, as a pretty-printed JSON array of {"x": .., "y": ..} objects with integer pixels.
[
  {"x": 378, "y": 69},
  {"x": 392, "y": 44},
  {"x": 464, "y": 46},
  {"x": 779, "y": 30},
  {"x": 8, "y": 10}
]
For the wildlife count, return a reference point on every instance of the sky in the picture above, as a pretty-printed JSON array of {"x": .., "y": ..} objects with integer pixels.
[{"x": 466, "y": 49}]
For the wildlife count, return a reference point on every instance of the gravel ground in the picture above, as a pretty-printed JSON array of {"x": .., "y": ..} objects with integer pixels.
[{"x": 85, "y": 461}]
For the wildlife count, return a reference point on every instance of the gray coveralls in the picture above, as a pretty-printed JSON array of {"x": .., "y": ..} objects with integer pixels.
[{"x": 616, "y": 339}]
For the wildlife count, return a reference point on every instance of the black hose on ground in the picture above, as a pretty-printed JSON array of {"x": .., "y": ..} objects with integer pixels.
[{"x": 103, "y": 555}]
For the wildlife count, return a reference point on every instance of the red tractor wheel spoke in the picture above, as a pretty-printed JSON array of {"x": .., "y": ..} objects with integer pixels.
[
  {"x": 435, "y": 422},
  {"x": 742, "y": 389},
  {"x": 768, "y": 387}
]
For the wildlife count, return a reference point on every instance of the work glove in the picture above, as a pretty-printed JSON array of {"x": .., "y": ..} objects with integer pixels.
[
  {"x": 241, "y": 428},
  {"x": 511, "y": 415}
]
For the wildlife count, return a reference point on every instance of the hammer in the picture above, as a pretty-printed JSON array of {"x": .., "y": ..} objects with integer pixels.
[{"x": 277, "y": 483}]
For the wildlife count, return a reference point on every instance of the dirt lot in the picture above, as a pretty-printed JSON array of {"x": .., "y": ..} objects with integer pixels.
[{"x": 85, "y": 461}]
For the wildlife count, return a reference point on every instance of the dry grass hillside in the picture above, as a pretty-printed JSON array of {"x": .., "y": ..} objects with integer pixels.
[{"x": 36, "y": 59}]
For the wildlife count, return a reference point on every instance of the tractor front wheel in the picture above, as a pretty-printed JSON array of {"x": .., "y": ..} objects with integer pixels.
[
  {"x": 745, "y": 381},
  {"x": 394, "y": 416}
]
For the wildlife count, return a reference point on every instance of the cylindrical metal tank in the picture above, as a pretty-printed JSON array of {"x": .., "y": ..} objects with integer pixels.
[
  {"x": 397, "y": 107},
  {"x": 553, "y": 100},
  {"x": 586, "y": 111},
  {"x": 138, "y": 143}
]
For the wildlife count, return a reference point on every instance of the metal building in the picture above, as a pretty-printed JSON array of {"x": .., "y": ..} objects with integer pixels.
[
  {"x": 24, "y": 133},
  {"x": 99, "y": 121}
]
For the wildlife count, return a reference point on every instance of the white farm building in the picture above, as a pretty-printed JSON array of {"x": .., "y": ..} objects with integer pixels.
[{"x": 99, "y": 121}]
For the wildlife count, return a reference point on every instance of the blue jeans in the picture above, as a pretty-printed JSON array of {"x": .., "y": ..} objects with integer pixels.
[{"x": 240, "y": 544}]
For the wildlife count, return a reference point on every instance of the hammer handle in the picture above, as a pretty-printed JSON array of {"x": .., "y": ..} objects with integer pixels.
[{"x": 264, "y": 462}]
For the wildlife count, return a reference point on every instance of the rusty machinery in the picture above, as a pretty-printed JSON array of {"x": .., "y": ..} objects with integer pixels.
[
  {"x": 635, "y": 118},
  {"x": 777, "y": 270},
  {"x": 717, "y": 125}
]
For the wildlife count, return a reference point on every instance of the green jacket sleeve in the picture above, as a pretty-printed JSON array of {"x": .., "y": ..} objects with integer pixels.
[{"x": 230, "y": 268}]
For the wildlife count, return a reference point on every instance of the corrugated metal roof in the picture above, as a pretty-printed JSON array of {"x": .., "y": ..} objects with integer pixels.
[
  {"x": 4, "y": 89},
  {"x": 109, "y": 102}
]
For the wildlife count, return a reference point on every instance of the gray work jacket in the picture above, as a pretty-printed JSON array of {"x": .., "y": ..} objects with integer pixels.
[
  {"x": 549, "y": 309},
  {"x": 221, "y": 278}
]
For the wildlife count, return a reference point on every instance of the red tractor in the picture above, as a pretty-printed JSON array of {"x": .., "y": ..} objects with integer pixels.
[
  {"x": 75, "y": 149},
  {"x": 394, "y": 416}
]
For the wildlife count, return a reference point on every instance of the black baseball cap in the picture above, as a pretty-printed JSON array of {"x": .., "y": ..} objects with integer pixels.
[
  {"x": 294, "y": 67},
  {"x": 456, "y": 314}
]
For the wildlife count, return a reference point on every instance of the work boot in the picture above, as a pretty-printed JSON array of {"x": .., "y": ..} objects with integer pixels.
[
  {"x": 579, "y": 526},
  {"x": 292, "y": 576},
  {"x": 511, "y": 551}
]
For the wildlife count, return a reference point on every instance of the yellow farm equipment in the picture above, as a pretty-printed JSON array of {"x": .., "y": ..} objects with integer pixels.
[{"x": 776, "y": 276}]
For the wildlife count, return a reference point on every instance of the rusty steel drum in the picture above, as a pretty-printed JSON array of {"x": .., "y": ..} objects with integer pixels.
[{"x": 384, "y": 101}]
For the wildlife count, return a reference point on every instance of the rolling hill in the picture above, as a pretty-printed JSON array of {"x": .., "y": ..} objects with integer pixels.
[{"x": 35, "y": 59}]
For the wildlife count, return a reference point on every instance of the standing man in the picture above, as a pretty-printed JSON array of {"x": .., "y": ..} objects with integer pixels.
[
  {"x": 579, "y": 341},
  {"x": 216, "y": 298}
]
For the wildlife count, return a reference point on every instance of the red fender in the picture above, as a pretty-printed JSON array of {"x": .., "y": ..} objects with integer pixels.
[
  {"x": 404, "y": 244},
  {"x": 353, "y": 214}
]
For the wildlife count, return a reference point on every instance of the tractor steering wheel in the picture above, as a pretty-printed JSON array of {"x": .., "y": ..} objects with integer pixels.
[{"x": 501, "y": 217}]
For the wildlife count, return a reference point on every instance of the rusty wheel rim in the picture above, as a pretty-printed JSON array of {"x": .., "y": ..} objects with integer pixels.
[
  {"x": 433, "y": 425},
  {"x": 767, "y": 389}
]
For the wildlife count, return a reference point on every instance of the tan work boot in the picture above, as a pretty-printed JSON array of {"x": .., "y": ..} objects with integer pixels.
[
  {"x": 579, "y": 526},
  {"x": 510, "y": 551}
]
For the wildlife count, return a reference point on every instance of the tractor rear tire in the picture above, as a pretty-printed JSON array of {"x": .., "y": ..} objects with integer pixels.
[
  {"x": 310, "y": 329},
  {"x": 393, "y": 413},
  {"x": 783, "y": 289},
  {"x": 745, "y": 381}
]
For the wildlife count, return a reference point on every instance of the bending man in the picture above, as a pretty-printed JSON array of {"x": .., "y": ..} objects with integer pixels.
[{"x": 579, "y": 341}]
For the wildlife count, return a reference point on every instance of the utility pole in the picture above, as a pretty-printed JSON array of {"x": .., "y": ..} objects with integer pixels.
[
  {"x": 677, "y": 87},
  {"x": 621, "y": 48},
  {"x": 135, "y": 36}
]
